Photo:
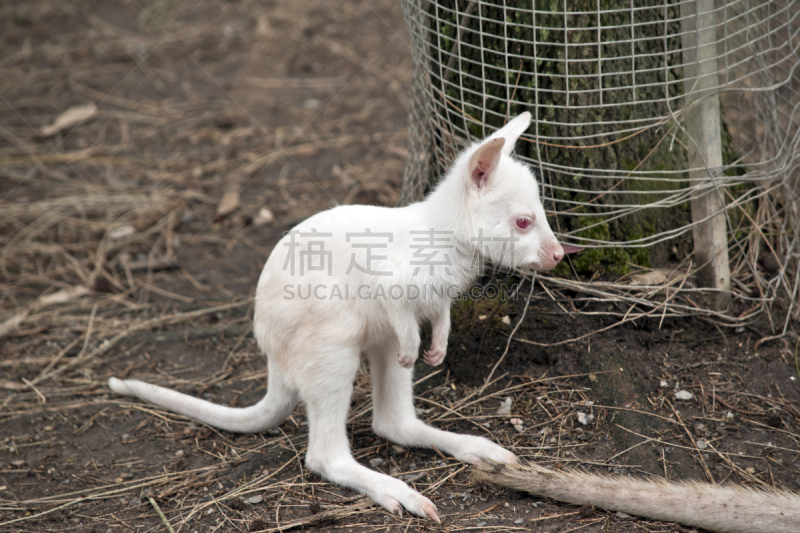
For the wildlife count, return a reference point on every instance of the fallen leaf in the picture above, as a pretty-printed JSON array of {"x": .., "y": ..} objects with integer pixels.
[
  {"x": 71, "y": 117},
  {"x": 10, "y": 325},
  {"x": 62, "y": 296},
  {"x": 505, "y": 407},
  {"x": 228, "y": 204},
  {"x": 12, "y": 385},
  {"x": 651, "y": 277},
  {"x": 120, "y": 232}
]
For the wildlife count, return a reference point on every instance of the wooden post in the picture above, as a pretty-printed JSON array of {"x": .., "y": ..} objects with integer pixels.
[{"x": 702, "y": 123}]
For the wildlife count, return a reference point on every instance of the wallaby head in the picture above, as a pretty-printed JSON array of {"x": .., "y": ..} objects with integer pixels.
[{"x": 500, "y": 197}]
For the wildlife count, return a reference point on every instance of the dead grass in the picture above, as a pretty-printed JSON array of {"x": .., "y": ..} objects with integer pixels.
[{"x": 119, "y": 256}]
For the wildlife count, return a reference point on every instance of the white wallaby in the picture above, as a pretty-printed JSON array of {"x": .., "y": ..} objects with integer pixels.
[{"x": 359, "y": 280}]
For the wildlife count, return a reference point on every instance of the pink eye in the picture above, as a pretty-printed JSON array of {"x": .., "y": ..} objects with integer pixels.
[{"x": 524, "y": 222}]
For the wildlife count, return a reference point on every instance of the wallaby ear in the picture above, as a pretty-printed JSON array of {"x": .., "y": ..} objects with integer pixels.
[
  {"x": 484, "y": 161},
  {"x": 511, "y": 131}
]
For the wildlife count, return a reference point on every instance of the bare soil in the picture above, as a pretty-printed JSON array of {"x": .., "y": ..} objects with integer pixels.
[{"x": 132, "y": 243}]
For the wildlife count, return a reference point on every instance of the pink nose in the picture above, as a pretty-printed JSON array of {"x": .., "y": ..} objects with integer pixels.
[{"x": 558, "y": 253}]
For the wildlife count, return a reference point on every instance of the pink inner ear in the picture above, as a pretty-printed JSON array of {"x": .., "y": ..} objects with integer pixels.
[
  {"x": 484, "y": 161},
  {"x": 479, "y": 177},
  {"x": 571, "y": 249}
]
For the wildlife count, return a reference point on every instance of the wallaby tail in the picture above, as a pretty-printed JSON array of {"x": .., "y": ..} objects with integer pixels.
[
  {"x": 725, "y": 509},
  {"x": 269, "y": 412}
]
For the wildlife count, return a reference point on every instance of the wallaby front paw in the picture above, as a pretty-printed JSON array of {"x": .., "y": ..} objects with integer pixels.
[
  {"x": 407, "y": 360},
  {"x": 435, "y": 355}
]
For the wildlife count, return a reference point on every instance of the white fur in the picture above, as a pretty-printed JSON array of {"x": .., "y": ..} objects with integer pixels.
[
  {"x": 313, "y": 345},
  {"x": 726, "y": 508}
]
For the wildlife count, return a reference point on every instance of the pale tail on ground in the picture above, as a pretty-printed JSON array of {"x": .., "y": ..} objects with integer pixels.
[{"x": 720, "y": 508}]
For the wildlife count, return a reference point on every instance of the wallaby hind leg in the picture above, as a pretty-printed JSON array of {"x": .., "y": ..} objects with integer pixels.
[
  {"x": 273, "y": 409},
  {"x": 394, "y": 417},
  {"x": 327, "y": 396}
]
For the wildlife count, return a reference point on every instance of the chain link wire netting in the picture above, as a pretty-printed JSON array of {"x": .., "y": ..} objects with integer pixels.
[{"x": 605, "y": 84}]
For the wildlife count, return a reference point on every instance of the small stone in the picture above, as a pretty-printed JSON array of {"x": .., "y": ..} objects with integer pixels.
[
  {"x": 179, "y": 453},
  {"x": 729, "y": 415},
  {"x": 750, "y": 470},
  {"x": 263, "y": 217},
  {"x": 134, "y": 502},
  {"x": 506, "y": 320},
  {"x": 592, "y": 377},
  {"x": 701, "y": 444},
  {"x": 483, "y": 317},
  {"x": 376, "y": 461},
  {"x": 398, "y": 449},
  {"x": 519, "y": 520},
  {"x": 481, "y": 524},
  {"x": 663, "y": 384},
  {"x": 505, "y": 407},
  {"x": 622, "y": 516},
  {"x": 18, "y": 462},
  {"x": 585, "y": 419},
  {"x": 258, "y": 498},
  {"x": 125, "y": 437},
  {"x": 683, "y": 395}
]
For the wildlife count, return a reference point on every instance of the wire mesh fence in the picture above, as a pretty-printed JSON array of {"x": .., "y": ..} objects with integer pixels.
[{"x": 610, "y": 85}]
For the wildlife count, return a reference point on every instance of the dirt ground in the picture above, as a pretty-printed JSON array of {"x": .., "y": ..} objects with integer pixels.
[{"x": 132, "y": 243}]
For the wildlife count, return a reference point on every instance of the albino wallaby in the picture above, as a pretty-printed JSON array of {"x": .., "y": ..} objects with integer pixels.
[
  {"x": 726, "y": 509},
  {"x": 358, "y": 280}
]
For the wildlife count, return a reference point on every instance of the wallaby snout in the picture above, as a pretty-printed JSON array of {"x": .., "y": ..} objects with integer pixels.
[{"x": 551, "y": 256}]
